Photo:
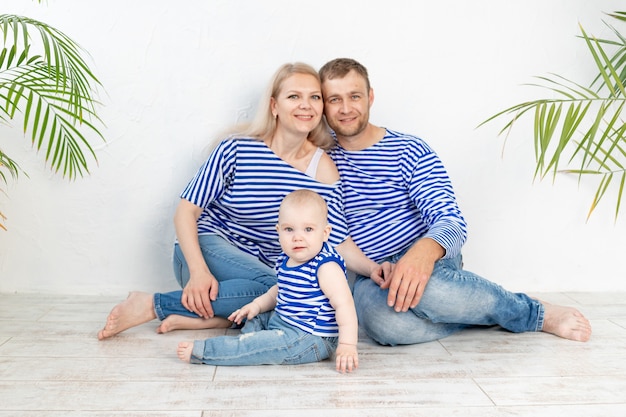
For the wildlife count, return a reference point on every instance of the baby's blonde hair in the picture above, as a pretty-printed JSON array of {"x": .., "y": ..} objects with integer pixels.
[{"x": 305, "y": 197}]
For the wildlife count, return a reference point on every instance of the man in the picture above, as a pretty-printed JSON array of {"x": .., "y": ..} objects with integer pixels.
[{"x": 400, "y": 207}]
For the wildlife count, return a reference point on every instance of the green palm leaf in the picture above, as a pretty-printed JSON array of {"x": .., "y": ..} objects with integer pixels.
[
  {"x": 583, "y": 126},
  {"x": 53, "y": 90}
]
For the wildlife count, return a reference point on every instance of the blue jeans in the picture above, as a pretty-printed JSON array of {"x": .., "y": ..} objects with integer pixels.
[
  {"x": 264, "y": 340},
  {"x": 241, "y": 276},
  {"x": 454, "y": 299}
]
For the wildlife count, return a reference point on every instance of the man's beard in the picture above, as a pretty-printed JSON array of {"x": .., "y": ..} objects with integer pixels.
[{"x": 349, "y": 131}]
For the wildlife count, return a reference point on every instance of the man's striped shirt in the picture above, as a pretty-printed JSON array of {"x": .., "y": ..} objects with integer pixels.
[
  {"x": 240, "y": 187},
  {"x": 395, "y": 192}
]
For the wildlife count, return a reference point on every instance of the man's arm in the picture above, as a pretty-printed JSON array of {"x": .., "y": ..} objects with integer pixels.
[
  {"x": 411, "y": 274},
  {"x": 431, "y": 190}
]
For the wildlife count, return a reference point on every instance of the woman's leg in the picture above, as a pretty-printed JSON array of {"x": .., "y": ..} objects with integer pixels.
[{"x": 241, "y": 276}]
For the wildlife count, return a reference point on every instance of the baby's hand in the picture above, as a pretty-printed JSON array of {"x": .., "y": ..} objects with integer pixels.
[
  {"x": 346, "y": 358},
  {"x": 248, "y": 311}
]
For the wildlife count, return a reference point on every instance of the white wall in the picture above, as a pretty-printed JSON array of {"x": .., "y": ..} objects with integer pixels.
[{"x": 176, "y": 73}]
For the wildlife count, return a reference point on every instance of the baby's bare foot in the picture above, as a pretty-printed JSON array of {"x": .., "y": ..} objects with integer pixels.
[
  {"x": 566, "y": 322},
  {"x": 184, "y": 351},
  {"x": 176, "y": 322},
  {"x": 137, "y": 309}
]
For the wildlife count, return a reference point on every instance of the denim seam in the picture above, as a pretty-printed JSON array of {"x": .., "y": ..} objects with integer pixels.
[
  {"x": 540, "y": 317},
  {"x": 157, "y": 307}
]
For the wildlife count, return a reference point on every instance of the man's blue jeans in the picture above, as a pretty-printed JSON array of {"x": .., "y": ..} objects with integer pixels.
[
  {"x": 264, "y": 340},
  {"x": 454, "y": 299},
  {"x": 241, "y": 276}
]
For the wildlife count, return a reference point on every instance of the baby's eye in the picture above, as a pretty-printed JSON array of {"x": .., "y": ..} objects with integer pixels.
[
  {"x": 308, "y": 229},
  {"x": 288, "y": 229}
]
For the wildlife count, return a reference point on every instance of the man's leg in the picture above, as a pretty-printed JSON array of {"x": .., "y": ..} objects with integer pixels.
[
  {"x": 454, "y": 299},
  {"x": 387, "y": 327},
  {"x": 454, "y": 295}
]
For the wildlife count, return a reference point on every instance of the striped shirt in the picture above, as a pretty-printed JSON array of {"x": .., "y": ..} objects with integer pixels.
[
  {"x": 395, "y": 192},
  {"x": 300, "y": 301},
  {"x": 240, "y": 188}
]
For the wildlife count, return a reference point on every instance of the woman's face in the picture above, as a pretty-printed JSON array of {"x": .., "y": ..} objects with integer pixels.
[{"x": 298, "y": 106}]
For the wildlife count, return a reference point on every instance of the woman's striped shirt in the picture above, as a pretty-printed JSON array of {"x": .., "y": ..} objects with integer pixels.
[
  {"x": 395, "y": 192},
  {"x": 300, "y": 301},
  {"x": 240, "y": 187}
]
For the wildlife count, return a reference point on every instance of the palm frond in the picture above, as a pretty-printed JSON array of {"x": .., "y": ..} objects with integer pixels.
[
  {"x": 7, "y": 165},
  {"x": 54, "y": 92},
  {"x": 582, "y": 125}
]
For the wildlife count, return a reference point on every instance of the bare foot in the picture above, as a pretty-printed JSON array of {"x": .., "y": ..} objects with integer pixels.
[
  {"x": 176, "y": 322},
  {"x": 184, "y": 351},
  {"x": 566, "y": 322},
  {"x": 137, "y": 309}
]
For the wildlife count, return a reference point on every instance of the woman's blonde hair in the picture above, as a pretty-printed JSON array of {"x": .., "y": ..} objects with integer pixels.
[{"x": 263, "y": 125}]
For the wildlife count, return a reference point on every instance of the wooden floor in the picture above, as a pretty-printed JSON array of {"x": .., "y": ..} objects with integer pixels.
[{"x": 51, "y": 364}]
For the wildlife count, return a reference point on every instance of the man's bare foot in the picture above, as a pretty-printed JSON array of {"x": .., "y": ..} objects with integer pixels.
[
  {"x": 566, "y": 322},
  {"x": 184, "y": 351},
  {"x": 176, "y": 322},
  {"x": 137, "y": 309}
]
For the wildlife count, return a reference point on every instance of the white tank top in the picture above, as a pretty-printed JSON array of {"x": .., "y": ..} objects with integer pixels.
[{"x": 311, "y": 170}]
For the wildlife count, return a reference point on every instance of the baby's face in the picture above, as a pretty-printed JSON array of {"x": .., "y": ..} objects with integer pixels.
[{"x": 302, "y": 230}]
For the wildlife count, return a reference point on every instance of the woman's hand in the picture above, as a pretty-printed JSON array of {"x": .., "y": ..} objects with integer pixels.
[{"x": 198, "y": 294}]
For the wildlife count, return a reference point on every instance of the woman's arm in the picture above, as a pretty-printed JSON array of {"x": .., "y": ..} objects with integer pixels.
[{"x": 202, "y": 286}]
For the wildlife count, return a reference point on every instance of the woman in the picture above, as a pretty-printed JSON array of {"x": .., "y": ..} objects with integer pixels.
[{"x": 227, "y": 243}]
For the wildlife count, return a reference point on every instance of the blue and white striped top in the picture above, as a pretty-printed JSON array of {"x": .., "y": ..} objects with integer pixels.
[
  {"x": 240, "y": 187},
  {"x": 395, "y": 192},
  {"x": 300, "y": 301}
]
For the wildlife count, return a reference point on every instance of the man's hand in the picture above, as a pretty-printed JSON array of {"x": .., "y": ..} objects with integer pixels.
[
  {"x": 198, "y": 294},
  {"x": 411, "y": 274}
]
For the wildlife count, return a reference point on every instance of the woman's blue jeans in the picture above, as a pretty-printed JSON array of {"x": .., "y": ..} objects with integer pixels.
[
  {"x": 454, "y": 299},
  {"x": 264, "y": 340},
  {"x": 241, "y": 276}
]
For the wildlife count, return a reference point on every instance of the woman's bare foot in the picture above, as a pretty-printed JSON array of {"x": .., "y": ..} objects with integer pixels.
[
  {"x": 566, "y": 322},
  {"x": 176, "y": 322},
  {"x": 137, "y": 309},
  {"x": 184, "y": 351}
]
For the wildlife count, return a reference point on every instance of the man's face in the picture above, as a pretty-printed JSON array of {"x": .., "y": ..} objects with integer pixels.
[{"x": 347, "y": 104}]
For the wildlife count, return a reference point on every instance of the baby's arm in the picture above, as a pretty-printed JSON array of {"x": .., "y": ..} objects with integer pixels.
[
  {"x": 334, "y": 284},
  {"x": 261, "y": 304}
]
